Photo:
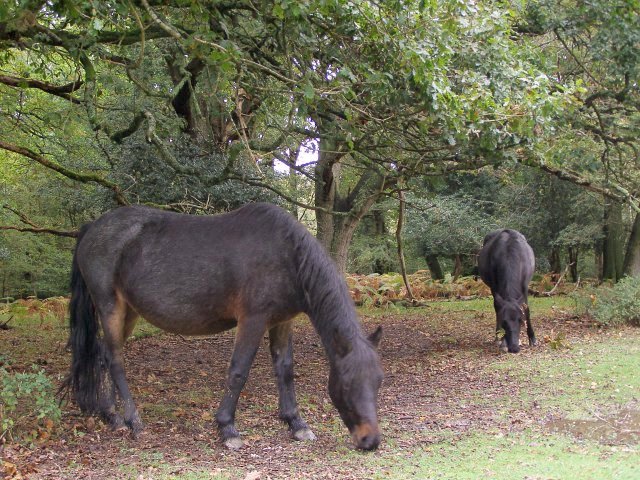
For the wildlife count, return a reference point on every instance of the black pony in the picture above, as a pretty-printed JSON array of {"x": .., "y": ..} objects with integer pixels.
[
  {"x": 255, "y": 269},
  {"x": 506, "y": 264}
]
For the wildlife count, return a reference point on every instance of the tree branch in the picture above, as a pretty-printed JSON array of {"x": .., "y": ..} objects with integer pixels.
[
  {"x": 288, "y": 198},
  {"x": 62, "y": 170},
  {"x": 50, "y": 231},
  {"x": 621, "y": 195},
  {"x": 33, "y": 228},
  {"x": 62, "y": 91},
  {"x": 133, "y": 127}
]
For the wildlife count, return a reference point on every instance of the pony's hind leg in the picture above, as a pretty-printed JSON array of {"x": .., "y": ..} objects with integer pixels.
[
  {"x": 117, "y": 324},
  {"x": 248, "y": 335},
  {"x": 108, "y": 396},
  {"x": 281, "y": 347}
]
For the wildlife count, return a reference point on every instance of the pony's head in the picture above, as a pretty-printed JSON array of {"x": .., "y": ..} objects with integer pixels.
[
  {"x": 511, "y": 315},
  {"x": 354, "y": 380}
]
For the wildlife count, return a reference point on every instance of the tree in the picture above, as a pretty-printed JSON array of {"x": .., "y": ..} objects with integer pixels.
[
  {"x": 386, "y": 90},
  {"x": 595, "y": 45},
  {"x": 451, "y": 224}
]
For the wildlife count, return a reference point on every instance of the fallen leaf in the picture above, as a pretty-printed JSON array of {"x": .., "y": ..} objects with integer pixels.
[
  {"x": 10, "y": 471},
  {"x": 254, "y": 475}
]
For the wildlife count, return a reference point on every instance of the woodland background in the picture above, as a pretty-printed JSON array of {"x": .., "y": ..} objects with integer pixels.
[
  {"x": 456, "y": 117},
  {"x": 430, "y": 122}
]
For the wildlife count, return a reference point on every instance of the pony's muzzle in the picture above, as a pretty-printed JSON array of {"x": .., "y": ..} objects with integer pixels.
[{"x": 366, "y": 436}]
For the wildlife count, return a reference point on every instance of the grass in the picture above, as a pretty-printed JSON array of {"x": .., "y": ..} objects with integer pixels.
[
  {"x": 527, "y": 455},
  {"x": 561, "y": 383},
  {"x": 164, "y": 471},
  {"x": 596, "y": 376},
  {"x": 469, "y": 309},
  {"x": 586, "y": 377},
  {"x": 144, "y": 329},
  {"x": 538, "y": 305}
]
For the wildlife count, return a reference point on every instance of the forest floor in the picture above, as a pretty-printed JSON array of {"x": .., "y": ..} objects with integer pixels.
[{"x": 451, "y": 405}]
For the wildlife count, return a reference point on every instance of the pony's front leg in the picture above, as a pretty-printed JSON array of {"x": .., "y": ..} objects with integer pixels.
[
  {"x": 533, "y": 341},
  {"x": 501, "y": 338},
  {"x": 281, "y": 347},
  {"x": 500, "y": 341},
  {"x": 246, "y": 345}
]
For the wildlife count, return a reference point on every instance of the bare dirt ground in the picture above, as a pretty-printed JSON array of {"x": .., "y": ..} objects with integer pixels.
[{"x": 435, "y": 387}]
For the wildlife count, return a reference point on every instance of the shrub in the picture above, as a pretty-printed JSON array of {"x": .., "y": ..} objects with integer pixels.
[
  {"x": 615, "y": 305},
  {"x": 28, "y": 405}
]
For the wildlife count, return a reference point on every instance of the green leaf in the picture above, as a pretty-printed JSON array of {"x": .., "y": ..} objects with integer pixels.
[{"x": 309, "y": 91}]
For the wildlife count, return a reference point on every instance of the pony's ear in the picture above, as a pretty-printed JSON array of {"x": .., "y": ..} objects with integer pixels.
[
  {"x": 375, "y": 337},
  {"x": 340, "y": 344}
]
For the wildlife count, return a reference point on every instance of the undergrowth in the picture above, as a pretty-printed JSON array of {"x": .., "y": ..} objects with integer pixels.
[
  {"x": 612, "y": 305},
  {"x": 29, "y": 409}
]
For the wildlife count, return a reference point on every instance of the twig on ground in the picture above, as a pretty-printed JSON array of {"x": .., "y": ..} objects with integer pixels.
[{"x": 5, "y": 325}]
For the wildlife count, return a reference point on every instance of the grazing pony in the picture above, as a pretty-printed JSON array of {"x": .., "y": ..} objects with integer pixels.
[
  {"x": 506, "y": 264},
  {"x": 255, "y": 269}
]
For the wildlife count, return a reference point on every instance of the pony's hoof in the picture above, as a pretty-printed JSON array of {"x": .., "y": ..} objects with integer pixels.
[
  {"x": 116, "y": 423},
  {"x": 503, "y": 348},
  {"x": 533, "y": 342},
  {"x": 234, "y": 443},
  {"x": 304, "y": 434},
  {"x": 136, "y": 426},
  {"x": 137, "y": 432}
]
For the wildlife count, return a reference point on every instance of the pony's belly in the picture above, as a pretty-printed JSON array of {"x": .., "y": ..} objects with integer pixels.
[{"x": 191, "y": 326}]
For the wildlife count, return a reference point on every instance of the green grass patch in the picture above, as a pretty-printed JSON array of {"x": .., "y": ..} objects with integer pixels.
[
  {"x": 158, "y": 470},
  {"x": 540, "y": 306},
  {"x": 580, "y": 380},
  {"x": 526, "y": 455},
  {"x": 144, "y": 329}
]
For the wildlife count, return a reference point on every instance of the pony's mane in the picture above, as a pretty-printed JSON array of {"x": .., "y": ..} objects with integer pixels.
[{"x": 326, "y": 295}]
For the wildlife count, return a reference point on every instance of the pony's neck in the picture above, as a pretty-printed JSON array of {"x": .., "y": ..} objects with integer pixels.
[
  {"x": 337, "y": 326},
  {"x": 326, "y": 296},
  {"x": 332, "y": 313}
]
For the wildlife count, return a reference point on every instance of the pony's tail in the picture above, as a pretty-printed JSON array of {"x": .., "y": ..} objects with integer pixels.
[{"x": 89, "y": 357}]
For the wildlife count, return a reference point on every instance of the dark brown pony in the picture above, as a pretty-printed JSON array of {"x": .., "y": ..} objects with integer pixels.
[
  {"x": 506, "y": 264},
  {"x": 255, "y": 269}
]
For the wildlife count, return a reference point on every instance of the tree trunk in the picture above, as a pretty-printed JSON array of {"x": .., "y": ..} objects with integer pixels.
[
  {"x": 463, "y": 265},
  {"x": 343, "y": 230},
  {"x": 375, "y": 228},
  {"x": 457, "y": 267},
  {"x": 434, "y": 267},
  {"x": 554, "y": 261},
  {"x": 598, "y": 261},
  {"x": 612, "y": 249},
  {"x": 380, "y": 227},
  {"x": 573, "y": 263},
  {"x": 403, "y": 267},
  {"x": 293, "y": 183},
  {"x": 338, "y": 215},
  {"x": 632, "y": 256},
  {"x": 326, "y": 171}
]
